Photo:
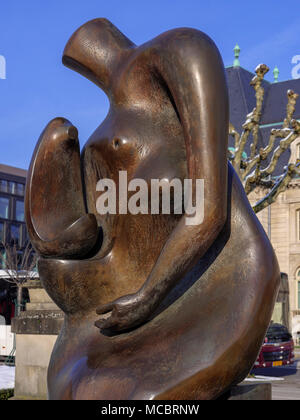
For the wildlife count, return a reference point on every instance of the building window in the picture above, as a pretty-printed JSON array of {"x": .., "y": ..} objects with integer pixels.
[
  {"x": 2, "y": 233},
  {"x": 20, "y": 189},
  {"x": 15, "y": 234},
  {"x": 12, "y": 187},
  {"x": 20, "y": 260},
  {"x": 3, "y": 185},
  {"x": 20, "y": 211},
  {"x": 4, "y": 207},
  {"x": 2, "y": 259}
]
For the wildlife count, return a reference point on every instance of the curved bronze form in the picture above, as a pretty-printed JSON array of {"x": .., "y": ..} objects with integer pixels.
[{"x": 181, "y": 310}]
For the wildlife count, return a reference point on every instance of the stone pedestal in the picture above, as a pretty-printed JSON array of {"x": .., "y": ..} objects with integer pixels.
[
  {"x": 36, "y": 331},
  {"x": 247, "y": 391}
]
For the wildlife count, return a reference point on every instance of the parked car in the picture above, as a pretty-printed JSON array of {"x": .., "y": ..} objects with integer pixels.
[{"x": 278, "y": 348}]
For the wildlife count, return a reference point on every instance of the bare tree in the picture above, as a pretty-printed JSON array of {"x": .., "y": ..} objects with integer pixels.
[
  {"x": 18, "y": 266},
  {"x": 249, "y": 169}
]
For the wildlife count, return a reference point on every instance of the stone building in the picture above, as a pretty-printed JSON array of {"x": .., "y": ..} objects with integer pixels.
[
  {"x": 282, "y": 219},
  {"x": 12, "y": 229},
  {"x": 12, "y": 187}
]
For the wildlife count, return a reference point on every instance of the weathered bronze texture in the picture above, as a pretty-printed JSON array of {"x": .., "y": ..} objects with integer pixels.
[{"x": 181, "y": 310}]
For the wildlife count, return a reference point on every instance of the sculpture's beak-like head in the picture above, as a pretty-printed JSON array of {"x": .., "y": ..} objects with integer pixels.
[{"x": 95, "y": 50}]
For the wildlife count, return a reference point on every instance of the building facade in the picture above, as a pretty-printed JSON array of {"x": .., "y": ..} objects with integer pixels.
[
  {"x": 282, "y": 223},
  {"x": 281, "y": 220},
  {"x": 12, "y": 221},
  {"x": 12, "y": 230}
]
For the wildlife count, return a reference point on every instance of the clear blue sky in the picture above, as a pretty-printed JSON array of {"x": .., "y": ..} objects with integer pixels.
[{"x": 38, "y": 87}]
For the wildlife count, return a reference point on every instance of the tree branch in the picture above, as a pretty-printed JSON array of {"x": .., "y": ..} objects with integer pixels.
[
  {"x": 256, "y": 82},
  {"x": 281, "y": 185}
]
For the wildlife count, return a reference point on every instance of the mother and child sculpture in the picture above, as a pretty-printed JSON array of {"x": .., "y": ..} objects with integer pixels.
[{"x": 155, "y": 307}]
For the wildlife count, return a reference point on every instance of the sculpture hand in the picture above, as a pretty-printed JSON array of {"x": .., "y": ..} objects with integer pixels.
[{"x": 124, "y": 313}]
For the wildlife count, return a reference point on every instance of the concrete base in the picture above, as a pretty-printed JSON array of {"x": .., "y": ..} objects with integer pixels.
[
  {"x": 249, "y": 392},
  {"x": 36, "y": 332},
  {"x": 33, "y": 356}
]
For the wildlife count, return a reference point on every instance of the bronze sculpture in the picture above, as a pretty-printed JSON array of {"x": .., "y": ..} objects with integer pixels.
[{"x": 181, "y": 310}]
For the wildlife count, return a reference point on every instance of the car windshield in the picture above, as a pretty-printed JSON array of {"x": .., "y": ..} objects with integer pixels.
[{"x": 278, "y": 333}]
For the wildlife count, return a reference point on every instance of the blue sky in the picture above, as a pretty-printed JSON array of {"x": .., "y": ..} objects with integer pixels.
[{"x": 38, "y": 87}]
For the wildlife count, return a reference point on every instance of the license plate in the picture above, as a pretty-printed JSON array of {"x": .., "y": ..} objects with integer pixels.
[{"x": 279, "y": 363}]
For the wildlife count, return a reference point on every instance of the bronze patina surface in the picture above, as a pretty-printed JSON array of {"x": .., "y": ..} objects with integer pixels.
[{"x": 154, "y": 308}]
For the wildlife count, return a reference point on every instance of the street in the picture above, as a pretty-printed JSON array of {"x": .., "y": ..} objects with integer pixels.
[{"x": 286, "y": 380}]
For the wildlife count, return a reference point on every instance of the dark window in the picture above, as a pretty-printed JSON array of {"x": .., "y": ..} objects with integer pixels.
[
  {"x": 20, "y": 189},
  {"x": 3, "y": 185},
  {"x": 15, "y": 235},
  {"x": 20, "y": 211},
  {"x": 2, "y": 232},
  {"x": 12, "y": 187},
  {"x": 2, "y": 259},
  {"x": 4, "y": 207},
  {"x": 20, "y": 260}
]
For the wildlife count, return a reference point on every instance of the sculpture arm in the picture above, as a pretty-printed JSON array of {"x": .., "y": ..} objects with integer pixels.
[{"x": 197, "y": 85}]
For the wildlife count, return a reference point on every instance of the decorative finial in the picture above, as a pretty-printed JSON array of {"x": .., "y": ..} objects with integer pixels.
[
  {"x": 237, "y": 51},
  {"x": 276, "y": 74}
]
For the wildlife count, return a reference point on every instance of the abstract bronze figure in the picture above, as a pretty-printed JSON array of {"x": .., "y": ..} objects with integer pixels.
[{"x": 154, "y": 308}]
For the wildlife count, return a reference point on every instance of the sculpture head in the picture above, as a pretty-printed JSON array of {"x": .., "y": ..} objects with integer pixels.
[{"x": 96, "y": 50}]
